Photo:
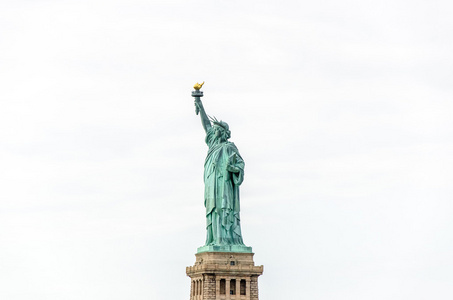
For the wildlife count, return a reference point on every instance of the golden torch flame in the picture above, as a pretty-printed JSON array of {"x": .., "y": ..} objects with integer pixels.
[{"x": 198, "y": 86}]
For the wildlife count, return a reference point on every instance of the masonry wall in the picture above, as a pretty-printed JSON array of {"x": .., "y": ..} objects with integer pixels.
[
  {"x": 254, "y": 288},
  {"x": 212, "y": 267},
  {"x": 209, "y": 287}
]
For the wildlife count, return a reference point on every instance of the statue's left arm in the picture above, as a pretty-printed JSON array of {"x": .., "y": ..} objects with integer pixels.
[{"x": 236, "y": 167}]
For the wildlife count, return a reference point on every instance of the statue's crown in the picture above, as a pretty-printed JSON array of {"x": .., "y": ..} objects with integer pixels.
[{"x": 220, "y": 123}]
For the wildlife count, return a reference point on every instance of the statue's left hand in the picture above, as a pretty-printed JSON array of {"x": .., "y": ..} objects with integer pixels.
[
  {"x": 233, "y": 169},
  {"x": 231, "y": 165}
]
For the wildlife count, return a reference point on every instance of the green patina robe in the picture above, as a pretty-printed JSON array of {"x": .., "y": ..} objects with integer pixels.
[{"x": 222, "y": 192}]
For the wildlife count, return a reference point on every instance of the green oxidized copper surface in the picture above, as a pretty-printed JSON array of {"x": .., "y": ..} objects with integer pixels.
[{"x": 223, "y": 174}]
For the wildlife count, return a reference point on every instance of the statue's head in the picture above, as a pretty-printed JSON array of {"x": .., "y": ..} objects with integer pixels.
[{"x": 221, "y": 129}]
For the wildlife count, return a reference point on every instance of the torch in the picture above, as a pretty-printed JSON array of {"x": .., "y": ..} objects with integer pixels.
[{"x": 197, "y": 94}]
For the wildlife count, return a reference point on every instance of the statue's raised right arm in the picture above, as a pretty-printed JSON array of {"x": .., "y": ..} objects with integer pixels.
[{"x": 204, "y": 117}]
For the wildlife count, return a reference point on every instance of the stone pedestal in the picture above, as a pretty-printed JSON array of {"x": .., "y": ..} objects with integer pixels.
[{"x": 224, "y": 275}]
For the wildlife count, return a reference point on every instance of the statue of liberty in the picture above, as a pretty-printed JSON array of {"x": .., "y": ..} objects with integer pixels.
[{"x": 223, "y": 174}]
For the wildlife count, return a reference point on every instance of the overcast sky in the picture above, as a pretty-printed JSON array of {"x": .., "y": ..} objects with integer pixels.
[{"x": 342, "y": 111}]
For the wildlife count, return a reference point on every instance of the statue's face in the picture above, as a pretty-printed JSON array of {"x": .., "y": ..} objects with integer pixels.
[{"x": 219, "y": 133}]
